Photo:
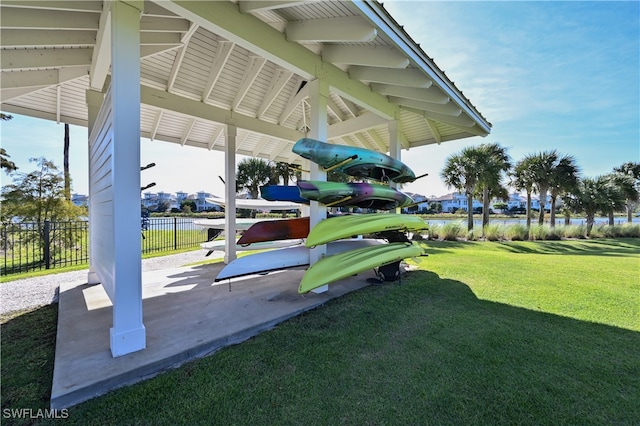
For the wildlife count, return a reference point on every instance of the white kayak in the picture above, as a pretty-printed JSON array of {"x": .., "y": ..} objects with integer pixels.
[
  {"x": 289, "y": 257},
  {"x": 220, "y": 245},
  {"x": 241, "y": 224},
  {"x": 257, "y": 204}
]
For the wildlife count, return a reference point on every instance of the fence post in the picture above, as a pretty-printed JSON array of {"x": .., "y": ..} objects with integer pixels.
[
  {"x": 47, "y": 242},
  {"x": 175, "y": 233}
]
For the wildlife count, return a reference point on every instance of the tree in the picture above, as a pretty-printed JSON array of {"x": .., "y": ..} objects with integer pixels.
[
  {"x": 252, "y": 173},
  {"x": 6, "y": 164},
  {"x": 614, "y": 194},
  {"x": 522, "y": 178},
  {"x": 38, "y": 196},
  {"x": 590, "y": 197},
  {"x": 630, "y": 185},
  {"x": 493, "y": 161},
  {"x": 67, "y": 175},
  {"x": 564, "y": 178},
  {"x": 188, "y": 206},
  {"x": 460, "y": 172},
  {"x": 282, "y": 171}
]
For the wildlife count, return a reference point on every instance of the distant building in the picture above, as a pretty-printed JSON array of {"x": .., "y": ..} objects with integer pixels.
[
  {"x": 454, "y": 201},
  {"x": 80, "y": 200}
]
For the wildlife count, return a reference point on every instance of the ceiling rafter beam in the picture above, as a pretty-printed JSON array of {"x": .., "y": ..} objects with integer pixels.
[
  {"x": 365, "y": 142},
  {"x": 450, "y": 108},
  {"x": 263, "y": 5},
  {"x": 461, "y": 120},
  {"x": 434, "y": 130},
  {"x": 160, "y": 24},
  {"x": 45, "y": 58},
  {"x": 242, "y": 136},
  {"x": 327, "y": 30},
  {"x": 331, "y": 105},
  {"x": 409, "y": 77},
  {"x": 278, "y": 149},
  {"x": 156, "y": 124},
  {"x": 366, "y": 121},
  {"x": 257, "y": 150},
  {"x": 374, "y": 137},
  {"x": 16, "y": 18},
  {"x": 171, "y": 102},
  {"x": 177, "y": 62},
  {"x": 368, "y": 56},
  {"x": 432, "y": 94},
  {"x": 101, "y": 56},
  {"x": 40, "y": 38},
  {"x": 187, "y": 131},
  {"x": 40, "y": 78},
  {"x": 302, "y": 94},
  {"x": 71, "y": 6},
  {"x": 224, "y": 18},
  {"x": 278, "y": 82},
  {"x": 223, "y": 51},
  {"x": 214, "y": 137},
  {"x": 250, "y": 74}
]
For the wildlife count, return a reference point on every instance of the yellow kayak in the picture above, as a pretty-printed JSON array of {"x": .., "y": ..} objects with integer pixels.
[{"x": 342, "y": 265}]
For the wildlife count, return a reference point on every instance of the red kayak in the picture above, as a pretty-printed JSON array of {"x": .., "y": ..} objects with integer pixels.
[{"x": 273, "y": 230}]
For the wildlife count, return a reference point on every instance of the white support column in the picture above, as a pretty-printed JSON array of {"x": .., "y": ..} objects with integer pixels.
[
  {"x": 395, "y": 147},
  {"x": 230, "y": 193},
  {"x": 94, "y": 103},
  {"x": 318, "y": 95},
  {"x": 128, "y": 334}
]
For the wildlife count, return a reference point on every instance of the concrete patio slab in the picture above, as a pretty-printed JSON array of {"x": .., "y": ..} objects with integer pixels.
[{"x": 186, "y": 316}]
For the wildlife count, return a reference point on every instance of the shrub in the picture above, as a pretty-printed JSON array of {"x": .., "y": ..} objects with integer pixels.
[
  {"x": 434, "y": 232},
  {"x": 494, "y": 232},
  {"x": 574, "y": 231},
  {"x": 516, "y": 232},
  {"x": 451, "y": 231}
]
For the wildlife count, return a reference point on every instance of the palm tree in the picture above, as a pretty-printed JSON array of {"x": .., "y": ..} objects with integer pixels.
[
  {"x": 590, "y": 197},
  {"x": 615, "y": 194},
  {"x": 544, "y": 166},
  {"x": 493, "y": 161},
  {"x": 460, "y": 172},
  {"x": 630, "y": 186},
  {"x": 564, "y": 178},
  {"x": 522, "y": 178},
  {"x": 252, "y": 174},
  {"x": 282, "y": 171}
]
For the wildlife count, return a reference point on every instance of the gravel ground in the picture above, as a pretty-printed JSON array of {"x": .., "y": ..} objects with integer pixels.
[{"x": 29, "y": 293}]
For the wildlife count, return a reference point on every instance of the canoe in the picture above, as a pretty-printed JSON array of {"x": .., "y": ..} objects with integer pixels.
[
  {"x": 338, "y": 227},
  {"x": 272, "y": 230},
  {"x": 354, "y": 161},
  {"x": 351, "y": 194},
  {"x": 289, "y": 257},
  {"x": 219, "y": 245},
  {"x": 282, "y": 193},
  {"x": 335, "y": 267}
]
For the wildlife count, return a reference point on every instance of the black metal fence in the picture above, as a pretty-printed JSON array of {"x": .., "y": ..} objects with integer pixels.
[{"x": 32, "y": 246}]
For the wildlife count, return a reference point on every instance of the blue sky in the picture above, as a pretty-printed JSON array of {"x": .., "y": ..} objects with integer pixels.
[{"x": 547, "y": 75}]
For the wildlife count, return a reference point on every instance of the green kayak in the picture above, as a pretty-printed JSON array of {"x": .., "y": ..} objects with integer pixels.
[
  {"x": 342, "y": 265},
  {"x": 359, "y": 162},
  {"x": 338, "y": 227},
  {"x": 354, "y": 194}
]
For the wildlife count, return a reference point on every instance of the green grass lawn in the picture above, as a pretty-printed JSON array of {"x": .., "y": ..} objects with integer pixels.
[{"x": 484, "y": 333}]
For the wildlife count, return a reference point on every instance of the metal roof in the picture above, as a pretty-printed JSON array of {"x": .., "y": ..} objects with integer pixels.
[{"x": 205, "y": 64}]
